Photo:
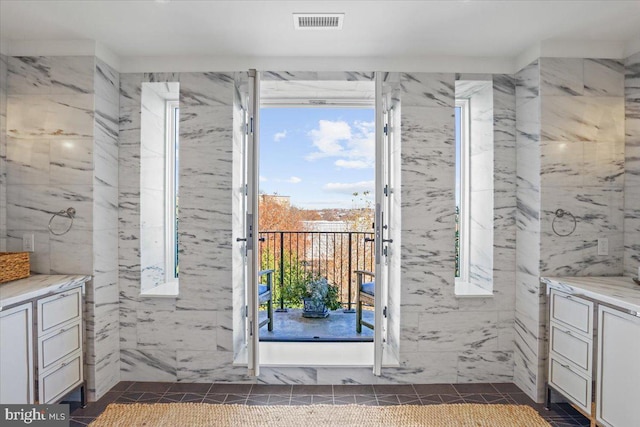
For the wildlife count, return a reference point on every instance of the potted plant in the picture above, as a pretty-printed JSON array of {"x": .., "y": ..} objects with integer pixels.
[{"x": 319, "y": 297}]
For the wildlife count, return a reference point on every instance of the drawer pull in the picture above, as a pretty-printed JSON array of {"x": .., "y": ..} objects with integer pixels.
[
  {"x": 64, "y": 364},
  {"x": 62, "y": 296},
  {"x": 565, "y": 366},
  {"x": 568, "y": 332},
  {"x": 63, "y": 330}
]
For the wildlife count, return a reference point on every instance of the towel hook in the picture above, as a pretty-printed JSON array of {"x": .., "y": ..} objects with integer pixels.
[
  {"x": 559, "y": 213},
  {"x": 67, "y": 213}
]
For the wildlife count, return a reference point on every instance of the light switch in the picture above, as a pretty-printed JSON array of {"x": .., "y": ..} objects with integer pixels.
[
  {"x": 28, "y": 243},
  {"x": 603, "y": 246}
]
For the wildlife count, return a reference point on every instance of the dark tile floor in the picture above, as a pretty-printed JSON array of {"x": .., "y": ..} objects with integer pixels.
[{"x": 559, "y": 415}]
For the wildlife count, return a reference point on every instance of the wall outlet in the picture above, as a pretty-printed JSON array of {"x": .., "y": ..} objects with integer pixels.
[
  {"x": 28, "y": 242},
  {"x": 603, "y": 246}
]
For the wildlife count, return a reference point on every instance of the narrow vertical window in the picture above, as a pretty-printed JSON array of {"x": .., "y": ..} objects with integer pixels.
[
  {"x": 462, "y": 190},
  {"x": 171, "y": 190}
]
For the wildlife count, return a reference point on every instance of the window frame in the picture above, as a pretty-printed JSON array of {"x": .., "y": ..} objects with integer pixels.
[
  {"x": 171, "y": 180},
  {"x": 464, "y": 214}
]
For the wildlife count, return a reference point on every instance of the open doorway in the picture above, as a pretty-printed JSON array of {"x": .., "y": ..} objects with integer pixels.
[
  {"x": 262, "y": 262},
  {"x": 317, "y": 195}
]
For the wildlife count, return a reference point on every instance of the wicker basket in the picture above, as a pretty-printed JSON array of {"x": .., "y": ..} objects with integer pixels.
[{"x": 13, "y": 266}]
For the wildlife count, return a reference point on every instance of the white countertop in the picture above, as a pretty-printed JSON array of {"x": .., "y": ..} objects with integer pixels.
[
  {"x": 617, "y": 291},
  {"x": 37, "y": 285}
]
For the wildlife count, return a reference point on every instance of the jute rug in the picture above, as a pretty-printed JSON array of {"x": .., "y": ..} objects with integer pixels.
[{"x": 204, "y": 414}]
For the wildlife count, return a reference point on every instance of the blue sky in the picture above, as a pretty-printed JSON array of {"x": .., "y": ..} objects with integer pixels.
[{"x": 318, "y": 156}]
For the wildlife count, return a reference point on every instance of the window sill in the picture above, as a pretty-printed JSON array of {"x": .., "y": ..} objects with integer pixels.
[
  {"x": 166, "y": 290},
  {"x": 469, "y": 290}
]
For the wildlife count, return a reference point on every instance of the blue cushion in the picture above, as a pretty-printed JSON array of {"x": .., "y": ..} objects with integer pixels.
[
  {"x": 368, "y": 288},
  {"x": 262, "y": 289}
]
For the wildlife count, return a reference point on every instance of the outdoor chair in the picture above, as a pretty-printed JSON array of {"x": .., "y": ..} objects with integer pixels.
[
  {"x": 365, "y": 295},
  {"x": 265, "y": 296}
]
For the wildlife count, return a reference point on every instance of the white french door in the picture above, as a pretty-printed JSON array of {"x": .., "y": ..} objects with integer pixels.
[
  {"x": 382, "y": 224},
  {"x": 251, "y": 222}
]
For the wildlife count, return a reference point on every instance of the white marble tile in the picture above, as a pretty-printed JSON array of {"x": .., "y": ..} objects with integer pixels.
[
  {"x": 71, "y": 161},
  {"x": 50, "y": 116},
  {"x": 581, "y": 118},
  {"x": 148, "y": 365},
  {"x": 292, "y": 375},
  {"x": 562, "y": 163},
  {"x": 561, "y": 76},
  {"x": 427, "y": 89},
  {"x": 451, "y": 331},
  {"x": 209, "y": 366},
  {"x": 423, "y": 368},
  {"x": 51, "y": 75},
  {"x": 206, "y": 89},
  {"x": 427, "y": 292},
  {"x": 603, "y": 77},
  {"x": 528, "y": 122},
  {"x": 27, "y": 161},
  {"x": 106, "y": 82},
  {"x": 485, "y": 366},
  {"x": 72, "y": 253},
  {"x": 528, "y": 83}
]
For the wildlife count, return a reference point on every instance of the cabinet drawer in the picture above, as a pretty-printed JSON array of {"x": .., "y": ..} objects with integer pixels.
[
  {"x": 572, "y": 385},
  {"x": 58, "y": 345},
  {"x": 571, "y": 346},
  {"x": 572, "y": 311},
  {"x": 58, "y": 309},
  {"x": 60, "y": 380}
]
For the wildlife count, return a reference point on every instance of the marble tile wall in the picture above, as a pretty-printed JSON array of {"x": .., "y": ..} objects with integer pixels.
[
  {"x": 571, "y": 155},
  {"x": 103, "y": 296},
  {"x": 61, "y": 152},
  {"x": 582, "y": 164},
  {"x": 632, "y": 166},
  {"x": 3, "y": 152},
  {"x": 441, "y": 338},
  {"x": 528, "y": 357}
]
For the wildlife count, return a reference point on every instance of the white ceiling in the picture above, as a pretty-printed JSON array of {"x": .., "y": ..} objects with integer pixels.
[{"x": 372, "y": 29}]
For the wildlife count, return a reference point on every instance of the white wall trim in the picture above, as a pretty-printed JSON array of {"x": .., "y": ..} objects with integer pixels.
[
  {"x": 60, "y": 48},
  {"x": 231, "y": 63},
  {"x": 428, "y": 64},
  {"x": 52, "y": 47}
]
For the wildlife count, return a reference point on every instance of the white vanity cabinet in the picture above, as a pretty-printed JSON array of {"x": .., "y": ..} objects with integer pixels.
[
  {"x": 618, "y": 373},
  {"x": 42, "y": 339},
  {"x": 571, "y": 347},
  {"x": 16, "y": 355},
  {"x": 59, "y": 344},
  {"x": 594, "y": 347}
]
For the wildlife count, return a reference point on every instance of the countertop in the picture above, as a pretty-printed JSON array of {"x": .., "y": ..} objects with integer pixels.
[
  {"x": 37, "y": 285},
  {"x": 617, "y": 291}
]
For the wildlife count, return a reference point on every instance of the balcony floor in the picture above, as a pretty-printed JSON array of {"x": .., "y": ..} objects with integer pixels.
[{"x": 337, "y": 327}]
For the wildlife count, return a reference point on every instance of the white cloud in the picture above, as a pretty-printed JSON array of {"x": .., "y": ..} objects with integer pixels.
[
  {"x": 353, "y": 164},
  {"x": 354, "y": 143},
  {"x": 328, "y": 138},
  {"x": 280, "y": 136},
  {"x": 293, "y": 180},
  {"x": 263, "y": 178},
  {"x": 349, "y": 187}
]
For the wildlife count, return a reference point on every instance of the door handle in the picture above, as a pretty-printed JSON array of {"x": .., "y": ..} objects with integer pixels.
[
  {"x": 369, "y": 239},
  {"x": 241, "y": 239},
  {"x": 387, "y": 240}
]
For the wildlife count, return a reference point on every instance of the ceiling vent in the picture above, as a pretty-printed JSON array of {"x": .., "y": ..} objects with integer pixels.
[{"x": 318, "y": 21}]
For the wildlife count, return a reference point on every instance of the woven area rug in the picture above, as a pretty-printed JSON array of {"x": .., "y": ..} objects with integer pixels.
[{"x": 204, "y": 414}]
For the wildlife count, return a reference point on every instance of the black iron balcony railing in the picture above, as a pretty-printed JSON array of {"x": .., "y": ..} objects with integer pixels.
[{"x": 296, "y": 256}]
